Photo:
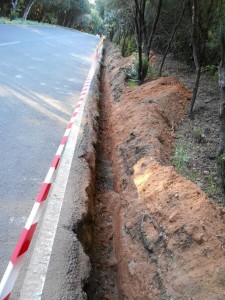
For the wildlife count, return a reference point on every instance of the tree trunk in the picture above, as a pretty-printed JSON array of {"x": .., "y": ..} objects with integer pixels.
[
  {"x": 14, "y": 7},
  {"x": 222, "y": 119},
  {"x": 172, "y": 37},
  {"x": 139, "y": 38},
  {"x": 195, "y": 92},
  {"x": 196, "y": 55},
  {"x": 28, "y": 8},
  {"x": 222, "y": 96},
  {"x": 149, "y": 45},
  {"x": 64, "y": 20}
]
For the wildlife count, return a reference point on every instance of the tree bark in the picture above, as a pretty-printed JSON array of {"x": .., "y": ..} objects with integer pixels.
[
  {"x": 195, "y": 92},
  {"x": 196, "y": 55},
  {"x": 139, "y": 38},
  {"x": 28, "y": 8},
  {"x": 156, "y": 19},
  {"x": 14, "y": 7},
  {"x": 172, "y": 37},
  {"x": 222, "y": 96}
]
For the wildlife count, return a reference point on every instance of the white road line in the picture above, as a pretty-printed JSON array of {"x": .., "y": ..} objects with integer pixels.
[{"x": 10, "y": 43}]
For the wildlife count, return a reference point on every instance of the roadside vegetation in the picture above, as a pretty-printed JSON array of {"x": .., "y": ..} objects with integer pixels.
[
  {"x": 77, "y": 14},
  {"x": 192, "y": 33}
]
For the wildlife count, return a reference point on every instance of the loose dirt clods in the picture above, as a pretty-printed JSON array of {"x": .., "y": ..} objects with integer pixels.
[
  {"x": 155, "y": 235},
  {"x": 102, "y": 283}
]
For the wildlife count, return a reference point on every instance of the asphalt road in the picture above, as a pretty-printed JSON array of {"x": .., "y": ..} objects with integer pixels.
[{"x": 42, "y": 71}]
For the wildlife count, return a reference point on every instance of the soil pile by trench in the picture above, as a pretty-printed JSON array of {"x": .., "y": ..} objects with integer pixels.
[{"x": 156, "y": 235}]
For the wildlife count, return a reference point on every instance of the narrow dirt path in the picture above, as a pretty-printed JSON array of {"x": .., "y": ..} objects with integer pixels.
[{"x": 103, "y": 280}]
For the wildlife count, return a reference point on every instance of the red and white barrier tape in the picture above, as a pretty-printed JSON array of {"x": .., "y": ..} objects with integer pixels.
[{"x": 24, "y": 241}]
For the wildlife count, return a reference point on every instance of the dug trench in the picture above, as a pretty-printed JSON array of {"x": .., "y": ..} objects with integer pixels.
[
  {"x": 149, "y": 232},
  {"x": 102, "y": 283}
]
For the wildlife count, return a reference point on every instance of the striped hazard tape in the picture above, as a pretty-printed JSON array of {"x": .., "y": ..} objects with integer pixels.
[{"x": 17, "y": 258}]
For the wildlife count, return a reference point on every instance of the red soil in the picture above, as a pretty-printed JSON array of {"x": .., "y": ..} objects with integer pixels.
[{"x": 167, "y": 237}]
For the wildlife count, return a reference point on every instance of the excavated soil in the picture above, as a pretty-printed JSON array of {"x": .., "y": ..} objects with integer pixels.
[
  {"x": 200, "y": 137},
  {"x": 102, "y": 283},
  {"x": 155, "y": 234}
]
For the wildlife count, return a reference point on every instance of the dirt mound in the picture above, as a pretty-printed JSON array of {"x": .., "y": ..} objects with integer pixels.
[
  {"x": 169, "y": 238},
  {"x": 117, "y": 71},
  {"x": 199, "y": 138}
]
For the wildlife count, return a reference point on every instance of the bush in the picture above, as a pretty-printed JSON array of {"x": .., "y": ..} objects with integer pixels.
[
  {"x": 132, "y": 74},
  {"x": 210, "y": 70},
  {"x": 130, "y": 45},
  {"x": 145, "y": 66},
  {"x": 127, "y": 45}
]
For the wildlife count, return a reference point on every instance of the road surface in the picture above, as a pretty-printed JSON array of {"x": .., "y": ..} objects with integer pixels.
[{"x": 42, "y": 71}]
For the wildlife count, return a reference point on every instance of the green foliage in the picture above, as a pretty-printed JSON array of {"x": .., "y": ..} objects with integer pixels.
[
  {"x": 132, "y": 83},
  {"x": 132, "y": 73},
  {"x": 198, "y": 136},
  {"x": 212, "y": 188},
  {"x": 131, "y": 45},
  {"x": 197, "y": 133},
  {"x": 100, "y": 7},
  {"x": 145, "y": 66},
  {"x": 110, "y": 21},
  {"x": 151, "y": 72},
  {"x": 14, "y": 15},
  {"x": 50, "y": 18},
  {"x": 181, "y": 157},
  {"x": 5, "y": 21},
  {"x": 91, "y": 23},
  {"x": 211, "y": 70},
  {"x": 64, "y": 13},
  {"x": 127, "y": 45}
]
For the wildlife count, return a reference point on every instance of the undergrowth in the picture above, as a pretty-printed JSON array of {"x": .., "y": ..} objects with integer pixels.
[
  {"x": 22, "y": 22},
  {"x": 182, "y": 162},
  {"x": 132, "y": 73}
]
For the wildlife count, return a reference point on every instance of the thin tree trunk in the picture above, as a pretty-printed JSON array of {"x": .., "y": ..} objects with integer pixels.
[
  {"x": 220, "y": 154},
  {"x": 143, "y": 25},
  {"x": 172, "y": 37},
  {"x": 222, "y": 96},
  {"x": 28, "y": 8},
  {"x": 138, "y": 30},
  {"x": 149, "y": 45},
  {"x": 64, "y": 20},
  {"x": 222, "y": 119},
  {"x": 14, "y": 7},
  {"x": 42, "y": 20},
  {"x": 196, "y": 54},
  {"x": 195, "y": 92}
]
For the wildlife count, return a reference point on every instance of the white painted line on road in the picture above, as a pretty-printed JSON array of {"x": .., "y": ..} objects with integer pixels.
[{"x": 10, "y": 43}]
